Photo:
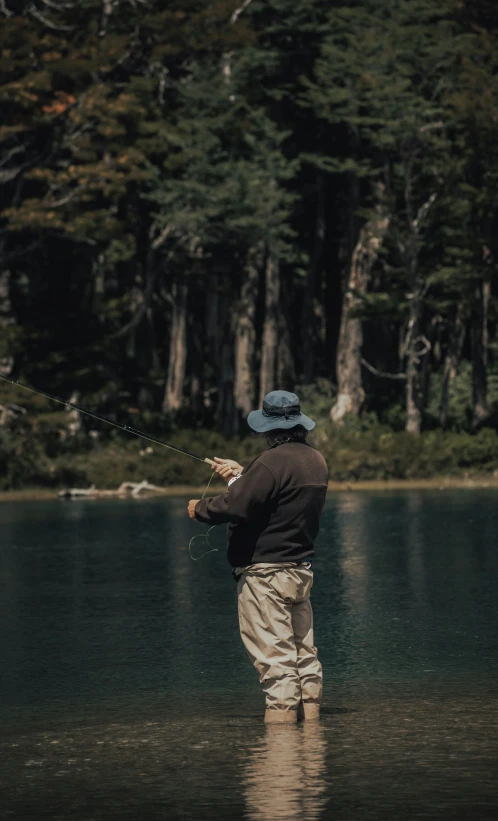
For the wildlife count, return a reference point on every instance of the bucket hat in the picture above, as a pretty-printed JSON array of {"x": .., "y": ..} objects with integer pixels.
[{"x": 281, "y": 409}]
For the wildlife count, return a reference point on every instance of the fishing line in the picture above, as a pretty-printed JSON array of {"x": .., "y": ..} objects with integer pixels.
[
  {"x": 205, "y": 535},
  {"x": 126, "y": 428},
  {"x": 141, "y": 435}
]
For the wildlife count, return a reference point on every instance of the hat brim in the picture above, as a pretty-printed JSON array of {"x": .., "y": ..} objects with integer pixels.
[{"x": 261, "y": 423}]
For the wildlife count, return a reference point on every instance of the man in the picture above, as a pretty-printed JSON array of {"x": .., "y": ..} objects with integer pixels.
[{"x": 273, "y": 509}]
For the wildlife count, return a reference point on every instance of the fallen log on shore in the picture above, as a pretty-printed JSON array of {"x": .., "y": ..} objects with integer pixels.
[{"x": 125, "y": 489}]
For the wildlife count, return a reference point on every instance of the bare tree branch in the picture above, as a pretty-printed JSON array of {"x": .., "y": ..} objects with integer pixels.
[
  {"x": 64, "y": 200},
  {"x": 425, "y": 350},
  {"x": 382, "y": 374},
  {"x": 235, "y": 16},
  {"x": 13, "y": 151},
  {"x": 431, "y": 126},
  {"x": 58, "y": 6},
  {"x": 39, "y": 16},
  {"x": 422, "y": 211},
  {"x": 161, "y": 239},
  {"x": 10, "y": 174}
]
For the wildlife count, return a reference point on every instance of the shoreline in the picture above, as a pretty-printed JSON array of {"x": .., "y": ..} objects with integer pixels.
[{"x": 477, "y": 482}]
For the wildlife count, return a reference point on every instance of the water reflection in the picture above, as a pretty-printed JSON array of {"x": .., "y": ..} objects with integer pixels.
[
  {"x": 285, "y": 777},
  {"x": 405, "y": 586},
  {"x": 354, "y": 542}
]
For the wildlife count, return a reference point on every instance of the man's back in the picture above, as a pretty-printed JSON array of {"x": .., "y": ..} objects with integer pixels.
[{"x": 295, "y": 477}]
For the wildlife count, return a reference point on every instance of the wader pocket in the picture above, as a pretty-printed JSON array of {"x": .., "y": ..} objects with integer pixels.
[{"x": 291, "y": 585}]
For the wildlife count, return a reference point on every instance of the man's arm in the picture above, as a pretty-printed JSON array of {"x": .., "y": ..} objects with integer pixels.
[
  {"x": 246, "y": 498},
  {"x": 227, "y": 469}
]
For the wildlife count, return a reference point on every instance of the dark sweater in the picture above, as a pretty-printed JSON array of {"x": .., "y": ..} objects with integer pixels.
[{"x": 274, "y": 509}]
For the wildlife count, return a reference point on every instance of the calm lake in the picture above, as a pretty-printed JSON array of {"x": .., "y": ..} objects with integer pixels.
[{"x": 125, "y": 692}]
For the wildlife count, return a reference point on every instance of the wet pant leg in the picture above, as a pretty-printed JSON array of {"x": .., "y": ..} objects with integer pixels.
[
  {"x": 310, "y": 669},
  {"x": 265, "y": 621}
]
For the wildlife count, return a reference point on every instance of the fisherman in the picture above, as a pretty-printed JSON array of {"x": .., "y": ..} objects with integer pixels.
[{"x": 273, "y": 509}]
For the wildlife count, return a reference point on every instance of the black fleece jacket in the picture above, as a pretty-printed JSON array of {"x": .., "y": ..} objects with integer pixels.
[{"x": 274, "y": 509}]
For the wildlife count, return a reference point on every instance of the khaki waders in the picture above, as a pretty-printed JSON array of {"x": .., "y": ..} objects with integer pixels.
[{"x": 276, "y": 626}]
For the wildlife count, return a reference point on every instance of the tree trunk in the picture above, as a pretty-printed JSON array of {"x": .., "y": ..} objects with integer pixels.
[
  {"x": 245, "y": 334},
  {"x": 413, "y": 413},
  {"x": 213, "y": 320},
  {"x": 226, "y": 416},
  {"x": 410, "y": 252},
  {"x": 7, "y": 322},
  {"x": 173, "y": 396},
  {"x": 432, "y": 332},
  {"x": 219, "y": 333},
  {"x": 309, "y": 326},
  {"x": 413, "y": 392},
  {"x": 269, "y": 345},
  {"x": 226, "y": 413},
  {"x": 105, "y": 16},
  {"x": 196, "y": 366},
  {"x": 478, "y": 344},
  {"x": 451, "y": 363},
  {"x": 350, "y": 388},
  {"x": 196, "y": 354},
  {"x": 332, "y": 311},
  {"x": 286, "y": 368},
  {"x": 99, "y": 287},
  {"x": 354, "y": 201}
]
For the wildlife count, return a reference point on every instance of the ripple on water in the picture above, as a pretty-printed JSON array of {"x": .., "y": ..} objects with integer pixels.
[{"x": 126, "y": 693}]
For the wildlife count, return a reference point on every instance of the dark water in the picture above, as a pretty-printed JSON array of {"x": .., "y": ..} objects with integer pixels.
[{"x": 126, "y": 694}]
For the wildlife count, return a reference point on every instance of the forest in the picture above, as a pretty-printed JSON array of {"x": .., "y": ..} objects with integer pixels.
[{"x": 203, "y": 201}]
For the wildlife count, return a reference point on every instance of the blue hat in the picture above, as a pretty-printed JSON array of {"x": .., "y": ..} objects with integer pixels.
[{"x": 281, "y": 409}]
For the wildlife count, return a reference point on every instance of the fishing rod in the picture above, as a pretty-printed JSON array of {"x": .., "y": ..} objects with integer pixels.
[{"x": 126, "y": 428}]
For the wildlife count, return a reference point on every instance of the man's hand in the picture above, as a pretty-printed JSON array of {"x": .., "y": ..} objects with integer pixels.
[
  {"x": 191, "y": 507},
  {"x": 227, "y": 468}
]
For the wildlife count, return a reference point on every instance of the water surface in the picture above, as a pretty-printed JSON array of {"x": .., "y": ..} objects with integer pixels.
[{"x": 126, "y": 693}]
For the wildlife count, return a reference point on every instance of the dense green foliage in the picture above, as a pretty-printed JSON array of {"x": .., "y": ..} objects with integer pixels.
[{"x": 162, "y": 161}]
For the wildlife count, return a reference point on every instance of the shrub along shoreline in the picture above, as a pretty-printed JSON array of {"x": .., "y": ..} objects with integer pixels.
[
  {"x": 45, "y": 449},
  {"x": 361, "y": 456}
]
